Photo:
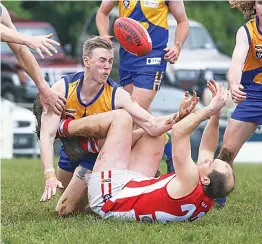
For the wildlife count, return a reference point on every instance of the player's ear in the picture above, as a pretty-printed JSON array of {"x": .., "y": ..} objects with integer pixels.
[
  {"x": 86, "y": 61},
  {"x": 205, "y": 180}
]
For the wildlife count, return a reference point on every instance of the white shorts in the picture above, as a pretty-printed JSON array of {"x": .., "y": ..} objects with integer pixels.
[{"x": 107, "y": 184}]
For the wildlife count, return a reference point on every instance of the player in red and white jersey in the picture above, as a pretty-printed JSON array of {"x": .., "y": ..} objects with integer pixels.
[{"x": 122, "y": 184}]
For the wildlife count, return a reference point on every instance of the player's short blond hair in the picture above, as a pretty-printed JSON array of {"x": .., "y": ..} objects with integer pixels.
[
  {"x": 96, "y": 42},
  {"x": 246, "y": 7}
]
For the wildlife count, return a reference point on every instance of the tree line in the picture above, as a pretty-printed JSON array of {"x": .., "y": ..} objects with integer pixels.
[{"x": 68, "y": 18}]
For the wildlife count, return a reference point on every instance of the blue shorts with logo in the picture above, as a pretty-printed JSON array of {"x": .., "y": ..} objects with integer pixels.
[
  {"x": 250, "y": 110},
  {"x": 147, "y": 80},
  {"x": 66, "y": 164}
]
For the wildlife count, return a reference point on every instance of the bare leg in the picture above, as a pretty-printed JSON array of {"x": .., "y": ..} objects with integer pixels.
[
  {"x": 143, "y": 97},
  {"x": 116, "y": 149},
  {"x": 129, "y": 88},
  {"x": 96, "y": 126},
  {"x": 146, "y": 154},
  {"x": 74, "y": 198},
  {"x": 236, "y": 134},
  {"x": 64, "y": 177}
]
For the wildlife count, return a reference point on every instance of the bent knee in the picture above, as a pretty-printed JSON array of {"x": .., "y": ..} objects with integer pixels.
[
  {"x": 226, "y": 154},
  {"x": 62, "y": 208},
  {"x": 123, "y": 115}
]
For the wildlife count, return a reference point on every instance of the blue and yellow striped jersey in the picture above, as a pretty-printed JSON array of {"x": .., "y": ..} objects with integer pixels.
[
  {"x": 252, "y": 70},
  {"x": 153, "y": 15},
  {"x": 104, "y": 100}
]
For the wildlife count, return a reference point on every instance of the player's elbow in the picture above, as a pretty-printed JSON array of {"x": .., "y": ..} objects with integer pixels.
[
  {"x": 47, "y": 136},
  {"x": 20, "y": 53},
  {"x": 177, "y": 131}
]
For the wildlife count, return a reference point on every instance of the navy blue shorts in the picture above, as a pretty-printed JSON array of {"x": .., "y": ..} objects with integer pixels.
[
  {"x": 66, "y": 164},
  {"x": 149, "y": 80},
  {"x": 250, "y": 110}
]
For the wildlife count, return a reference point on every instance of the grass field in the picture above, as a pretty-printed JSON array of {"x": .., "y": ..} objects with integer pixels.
[{"x": 26, "y": 220}]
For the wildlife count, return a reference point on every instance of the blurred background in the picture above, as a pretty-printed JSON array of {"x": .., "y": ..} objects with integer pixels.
[{"x": 205, "y": 55}]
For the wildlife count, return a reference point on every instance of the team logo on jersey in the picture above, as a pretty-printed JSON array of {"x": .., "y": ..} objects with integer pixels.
[
  {"x": 151, "y": 3},
  {"x": 126, "y": 3},
  {"x": 258, "y": 49}
]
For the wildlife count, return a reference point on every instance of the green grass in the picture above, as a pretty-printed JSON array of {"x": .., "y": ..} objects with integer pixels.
[{"x": 26, "y": 220}]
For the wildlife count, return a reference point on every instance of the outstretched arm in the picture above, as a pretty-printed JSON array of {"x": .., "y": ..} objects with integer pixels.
[
  {"x": 185, "y": 167},
  {"x": 38, "y": 43},
  {"x": 210, "y": 135},
  {"x": 154, "y": 126},
  {"x": 28, "y": 63}
]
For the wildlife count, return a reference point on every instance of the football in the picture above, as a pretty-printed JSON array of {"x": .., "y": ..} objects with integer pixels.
[{"x": 132, "y": 36}]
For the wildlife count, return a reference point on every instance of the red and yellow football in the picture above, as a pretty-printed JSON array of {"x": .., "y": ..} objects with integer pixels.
[{"x": 132, "y": 36}]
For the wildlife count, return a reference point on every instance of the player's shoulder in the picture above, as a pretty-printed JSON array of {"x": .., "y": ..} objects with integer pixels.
[
  {"x": 70, "y": 78},
  {"x": 251, "y": 22},
  {"x": 112, "y": 83}
]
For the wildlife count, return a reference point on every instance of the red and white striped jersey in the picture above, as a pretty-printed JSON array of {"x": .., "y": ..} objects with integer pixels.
[{"x": 147, "y": 200}]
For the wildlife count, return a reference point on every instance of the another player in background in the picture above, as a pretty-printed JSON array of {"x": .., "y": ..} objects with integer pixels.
[
  {"x": 142, "y": 76},
  {"x": 18, "y": 43},
  {"x": 245, "y": 80},
  {"x": 121, "y": 183}
]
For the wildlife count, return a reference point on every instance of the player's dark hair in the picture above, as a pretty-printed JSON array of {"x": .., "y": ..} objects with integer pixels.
[
  {"x": 217, "y": 187},
  {"x": 96, "y": 42}
]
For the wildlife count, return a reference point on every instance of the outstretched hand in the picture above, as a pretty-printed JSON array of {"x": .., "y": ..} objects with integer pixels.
[
  {"x": 187, "y": 106},
  {"x": 42, "y": 44},
  {"x": 220, "y": 96}
]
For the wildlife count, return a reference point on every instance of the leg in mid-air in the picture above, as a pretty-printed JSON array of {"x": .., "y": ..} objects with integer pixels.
[
  {"x": 74, "y": 197},
  {"x": 143, "y": 88}
]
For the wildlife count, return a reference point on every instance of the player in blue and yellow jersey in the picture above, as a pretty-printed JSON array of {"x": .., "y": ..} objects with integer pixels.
[
  {"x": 245, "y": 79},
  {"x": 88, "y": 93},
  {"x": 142, "y": 76}
]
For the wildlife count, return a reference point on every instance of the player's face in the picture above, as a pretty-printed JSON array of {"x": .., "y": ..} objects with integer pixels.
[
  {"x": 206, "y": 167},
  {"x": 258, "y": 7},
  {"x": 99, "y": 64}
]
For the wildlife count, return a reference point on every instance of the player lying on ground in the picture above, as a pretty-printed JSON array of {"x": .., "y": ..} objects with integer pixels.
[
  {"x": 119, "y": 185},
  {"x": 89, "y": 92},
  {"x": 74, "y": 145}
]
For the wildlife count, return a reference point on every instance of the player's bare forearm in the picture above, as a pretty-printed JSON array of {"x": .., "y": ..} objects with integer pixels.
[
  {"x": 11, "y": 36},
  {"x": 47, "y": 138},
  {"x": 28, "y": 63},
  {"x": 47, "y": 155},
  {"x": 234, "y": 74},
  {"x": 102, "y": 23},
  {"x": 181, "y": 33},
  {"x": 102, "y": 16},
  {"x": 209, "y": 139},
  {"x": 187, "y": 125},
  {"x": 238, "y": 57}
]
